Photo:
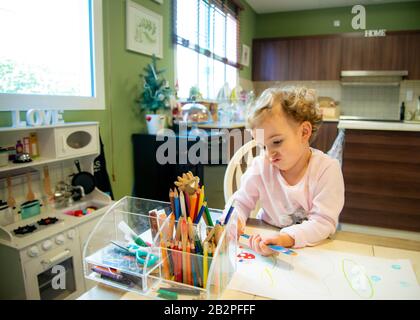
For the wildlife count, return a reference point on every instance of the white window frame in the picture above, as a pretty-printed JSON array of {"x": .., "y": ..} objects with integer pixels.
[{"x": 11, "y": 102}]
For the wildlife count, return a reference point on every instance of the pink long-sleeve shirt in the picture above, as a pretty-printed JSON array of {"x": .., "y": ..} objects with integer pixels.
[{"x": 307, "y": 211}]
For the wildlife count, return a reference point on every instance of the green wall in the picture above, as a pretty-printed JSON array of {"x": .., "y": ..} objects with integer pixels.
[
  {"x": 392, "y": 17},
  {"x": 248, "y": 19}
]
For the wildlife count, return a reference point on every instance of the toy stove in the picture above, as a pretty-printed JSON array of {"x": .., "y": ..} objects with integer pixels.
[{"x": 31, "y": 228}]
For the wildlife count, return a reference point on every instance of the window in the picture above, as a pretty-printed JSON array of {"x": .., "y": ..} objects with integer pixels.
[
  {"x": 206, "y": 39},
  {"x": 51, "y": 54}
]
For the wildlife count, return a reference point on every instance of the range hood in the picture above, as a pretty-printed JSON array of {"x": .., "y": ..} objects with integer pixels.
[{"x": 372, "y": 77}]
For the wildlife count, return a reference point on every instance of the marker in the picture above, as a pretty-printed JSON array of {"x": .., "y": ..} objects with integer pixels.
[{"x": 275, "y": 247}]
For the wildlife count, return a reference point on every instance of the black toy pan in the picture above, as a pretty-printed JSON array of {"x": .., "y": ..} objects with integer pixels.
[{"x": 84, "y": 179}]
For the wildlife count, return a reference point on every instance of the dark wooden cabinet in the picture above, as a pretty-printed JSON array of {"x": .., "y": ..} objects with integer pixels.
[
  {"x": 270, "y": 60},
  {"x": 413, "y": 53},
  {"x": 323, "y": 57},
  {"x": 297, "y": 59},
  {"x": 381, "y": 53},
  {"x": 382, "y": 179},
  {"x": 325, "y": 136}
]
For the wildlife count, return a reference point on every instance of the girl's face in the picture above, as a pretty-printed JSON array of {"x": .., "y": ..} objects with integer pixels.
[{"x": 285, "y": 141}]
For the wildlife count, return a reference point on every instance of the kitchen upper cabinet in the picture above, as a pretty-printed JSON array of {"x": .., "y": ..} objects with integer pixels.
[
  {"x": 413, "y": 56},
  {"x": 380, "y": 53},
  {"x": 323, "y": 57},
  {"x": 297, "y": 59},
  {"x": 270, "y": 60}
]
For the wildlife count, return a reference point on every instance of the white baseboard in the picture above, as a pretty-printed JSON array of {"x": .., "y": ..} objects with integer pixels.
[{"x": 383, "y": 232}]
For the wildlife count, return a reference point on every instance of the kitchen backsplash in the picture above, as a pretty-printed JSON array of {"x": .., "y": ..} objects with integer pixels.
[{"x": 382, "y": 102}]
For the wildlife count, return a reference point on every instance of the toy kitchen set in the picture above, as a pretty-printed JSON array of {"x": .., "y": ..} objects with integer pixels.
[{"x": 49, "y": 205}]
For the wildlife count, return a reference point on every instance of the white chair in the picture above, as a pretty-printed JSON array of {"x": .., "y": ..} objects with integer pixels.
[{"x": 237, "y": 166}]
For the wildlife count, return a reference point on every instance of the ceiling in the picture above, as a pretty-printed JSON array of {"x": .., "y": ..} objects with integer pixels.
[{"x": 267, "y": 6}]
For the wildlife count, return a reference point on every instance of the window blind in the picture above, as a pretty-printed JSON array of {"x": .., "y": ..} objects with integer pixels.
[{"x": 209, "y": 27}]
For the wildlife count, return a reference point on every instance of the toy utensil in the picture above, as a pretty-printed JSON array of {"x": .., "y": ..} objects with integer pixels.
[
  {"x": 11, "y": 202},
  {"x": 30, "y": 196},
  {"x": 47, "y": 184}
]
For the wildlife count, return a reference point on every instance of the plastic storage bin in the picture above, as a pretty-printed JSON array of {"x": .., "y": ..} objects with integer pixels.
[{"x": 157, "y": 270}]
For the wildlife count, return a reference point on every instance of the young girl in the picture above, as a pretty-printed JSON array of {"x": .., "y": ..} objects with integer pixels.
[{"x": 301, "y": 189}]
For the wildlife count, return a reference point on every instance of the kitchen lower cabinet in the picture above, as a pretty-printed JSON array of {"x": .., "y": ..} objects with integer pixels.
[{"x": 382, "y": 179}]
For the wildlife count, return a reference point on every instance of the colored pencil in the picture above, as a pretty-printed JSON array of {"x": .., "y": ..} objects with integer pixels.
[
  {"x": 178, "y": 230},
  {"x": 200, "y": 213},
  {"x": 200, "y": 200},
  {"x": 177, "y": 205},
  {"x": 187, "y": 202},
  {"x": 179, "y": 259},
  {"x": 169, "y": 247},
  {"x": 165, "y": 261},
  {"x": 193, "y": 201},
  {"x": 188, "y": 254},
  {"x": 208, "y": 217},
  {"x": 184, "y": 236},
  {"x": 194, "y": 266},
  {"x": 171, "y": 199},
  {"x": 171, "y": 226},
  {"x": 182, "y": 201},
  {"x": 205, "y": 263}
]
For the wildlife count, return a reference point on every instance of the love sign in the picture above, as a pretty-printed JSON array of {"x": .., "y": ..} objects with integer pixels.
[{"x": 37, "y": 118}]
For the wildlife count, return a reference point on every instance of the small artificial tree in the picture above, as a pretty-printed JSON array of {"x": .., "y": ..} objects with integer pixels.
[{"x": 157, "y": 93}]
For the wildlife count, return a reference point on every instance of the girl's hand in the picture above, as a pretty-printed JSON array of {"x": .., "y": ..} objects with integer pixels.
[
  {"x": 260, "y": 244},
  {"x": 240, "y": 227}
]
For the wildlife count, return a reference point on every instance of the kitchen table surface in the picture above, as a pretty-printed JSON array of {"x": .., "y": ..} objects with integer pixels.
[{"x": 354, "y": 243}]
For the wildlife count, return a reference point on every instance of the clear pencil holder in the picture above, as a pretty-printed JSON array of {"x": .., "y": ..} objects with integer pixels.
[{"x": 161, "y": 270}]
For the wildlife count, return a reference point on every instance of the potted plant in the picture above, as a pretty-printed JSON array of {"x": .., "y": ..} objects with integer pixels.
[{"x": 155, "y": 99}]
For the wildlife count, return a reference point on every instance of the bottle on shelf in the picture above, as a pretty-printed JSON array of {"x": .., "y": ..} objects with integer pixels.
[
  {"x": 26, "y": 145},
  {"x": 33, "y": 140},
  {"x": 402, "y": 111},
  {"x": 19, "y": 147}
]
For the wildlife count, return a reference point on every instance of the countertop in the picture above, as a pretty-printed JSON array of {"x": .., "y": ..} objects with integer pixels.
[
  {"x": 348, "y": 242},
  {"x": 379, "y": 125}
]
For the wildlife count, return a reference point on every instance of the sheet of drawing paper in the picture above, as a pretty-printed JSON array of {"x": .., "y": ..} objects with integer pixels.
[{"x": 322, "y": 274}]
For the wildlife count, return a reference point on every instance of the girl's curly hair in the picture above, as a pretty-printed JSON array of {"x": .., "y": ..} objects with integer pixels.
[{"x": 298, "y": 103}]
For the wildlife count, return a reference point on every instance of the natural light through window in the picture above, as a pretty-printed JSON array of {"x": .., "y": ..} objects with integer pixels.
[
  {"x": 206, "y": 49},
  {"x": 48, "y": 49}
]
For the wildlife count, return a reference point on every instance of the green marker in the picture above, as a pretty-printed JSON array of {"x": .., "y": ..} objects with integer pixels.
[
  {"x": 168, "y": 295},
  {"x": 208, "y": 216}
]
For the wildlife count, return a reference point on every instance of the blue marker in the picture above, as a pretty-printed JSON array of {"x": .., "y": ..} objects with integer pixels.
[
  {"x": 275, "y": 247},
  {"x": 228, "y": 215}
]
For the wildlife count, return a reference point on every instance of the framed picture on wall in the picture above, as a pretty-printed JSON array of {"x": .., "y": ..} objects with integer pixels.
[
  {"x": 245, "y": 55},
  {"x": 144, "y": 30}
]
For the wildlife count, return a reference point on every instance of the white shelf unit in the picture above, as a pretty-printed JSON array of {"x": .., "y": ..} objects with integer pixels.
[{"x": 55, "y": 143}]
